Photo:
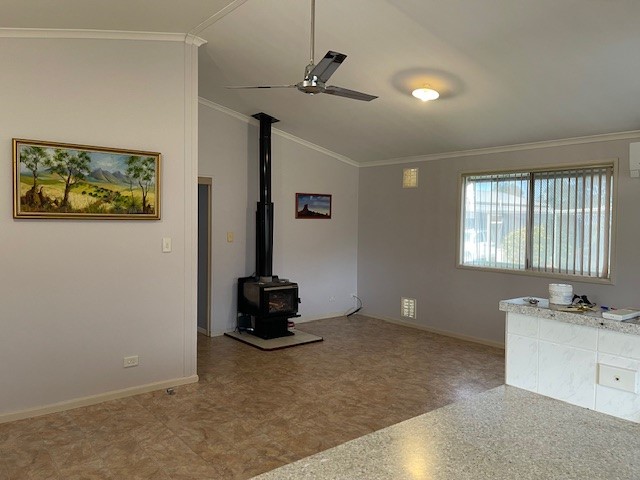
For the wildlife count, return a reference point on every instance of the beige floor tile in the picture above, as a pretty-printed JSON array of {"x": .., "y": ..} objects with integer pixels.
[
  {"x": 253, "y": 411},
  {"x": 85, "y": 472}
]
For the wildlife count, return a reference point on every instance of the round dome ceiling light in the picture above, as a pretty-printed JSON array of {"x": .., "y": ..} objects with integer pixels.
[{"x": 425, "y": 94}]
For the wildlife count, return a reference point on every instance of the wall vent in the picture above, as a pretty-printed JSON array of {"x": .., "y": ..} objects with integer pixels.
[
  {"x": 408, "y": 307},
  {"x": 409, "y": 178}
]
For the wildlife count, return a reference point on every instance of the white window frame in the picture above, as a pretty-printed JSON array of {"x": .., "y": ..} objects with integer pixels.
[{"x": 612, "y": 162}]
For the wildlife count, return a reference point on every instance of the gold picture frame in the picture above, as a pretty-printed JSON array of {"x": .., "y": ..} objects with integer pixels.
[{"x": 62, "y": 180}]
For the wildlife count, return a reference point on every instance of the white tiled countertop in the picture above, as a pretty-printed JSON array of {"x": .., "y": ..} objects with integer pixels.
[
  {"x": 588, "y": 319},
  {"x": 579, "y": 358}
]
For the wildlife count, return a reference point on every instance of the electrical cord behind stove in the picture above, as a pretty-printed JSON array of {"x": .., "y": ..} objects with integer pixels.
[{"x": 358, "y": 308}]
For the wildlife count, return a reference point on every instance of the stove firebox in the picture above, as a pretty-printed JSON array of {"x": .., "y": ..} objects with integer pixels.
[{"x": 266, "y": 302}]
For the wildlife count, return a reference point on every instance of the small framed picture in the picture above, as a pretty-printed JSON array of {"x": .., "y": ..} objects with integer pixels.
[{"x": 313, "y": 205}]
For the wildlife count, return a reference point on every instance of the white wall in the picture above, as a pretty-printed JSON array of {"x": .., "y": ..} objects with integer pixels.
[
  {"x": 320, "y": 255},
  {"x": 407, "y": 242},
  {"x": 77, "y": 296}
]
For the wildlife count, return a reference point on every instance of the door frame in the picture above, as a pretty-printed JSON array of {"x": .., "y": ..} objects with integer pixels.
[{"x": 208, "y": 181}]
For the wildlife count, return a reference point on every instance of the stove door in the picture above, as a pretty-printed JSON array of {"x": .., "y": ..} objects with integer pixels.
[{"x": 281, "y": 300}]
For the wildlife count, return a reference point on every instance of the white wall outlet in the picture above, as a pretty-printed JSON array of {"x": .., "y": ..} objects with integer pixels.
[
  {"x": 130, "y": 361},
  {"x": 616, "y": 377},
  {"x": 166, "y": 244},
  {"x": 332, "y": 299}
]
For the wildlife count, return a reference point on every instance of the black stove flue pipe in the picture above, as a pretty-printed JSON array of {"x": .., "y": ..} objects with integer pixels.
[{"x": 264, "y": 212}]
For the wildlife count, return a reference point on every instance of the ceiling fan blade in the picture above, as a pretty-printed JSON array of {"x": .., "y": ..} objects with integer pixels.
[
  {"x": 260, "y": 86},
  {"x": 329, "y": 64},
  {"x": 344, "y": 92}
]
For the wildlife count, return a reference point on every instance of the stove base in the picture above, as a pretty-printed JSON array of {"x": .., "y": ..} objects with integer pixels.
[{"x": 271, "y": 327}]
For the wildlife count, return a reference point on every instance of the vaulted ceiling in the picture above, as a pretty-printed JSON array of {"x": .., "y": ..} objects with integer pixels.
[{"x": 509, "y": 72}]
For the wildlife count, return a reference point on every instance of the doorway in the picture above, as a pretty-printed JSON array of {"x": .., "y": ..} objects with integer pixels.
[{"x": 204, "y": 255}]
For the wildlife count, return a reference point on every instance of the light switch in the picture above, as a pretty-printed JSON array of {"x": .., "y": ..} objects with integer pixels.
[
  {"x": 166, "y": 244},
  {"x": 230, "y": 237}
]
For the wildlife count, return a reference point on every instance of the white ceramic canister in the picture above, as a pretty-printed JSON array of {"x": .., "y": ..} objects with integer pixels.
[{"x": 560, "y": 294}]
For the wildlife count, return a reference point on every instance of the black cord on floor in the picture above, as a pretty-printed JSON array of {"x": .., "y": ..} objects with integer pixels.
[{"x": 358, "y": 308}]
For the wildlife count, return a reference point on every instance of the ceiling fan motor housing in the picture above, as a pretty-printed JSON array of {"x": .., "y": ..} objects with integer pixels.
[
  {"x": 311, "y": 87},
  {"x": 311, "y": 84}
]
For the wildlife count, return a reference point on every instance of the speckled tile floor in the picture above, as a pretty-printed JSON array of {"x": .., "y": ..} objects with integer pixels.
[
  {"x": 253, "y": 411},
  {"x": 502, "y": 434}
]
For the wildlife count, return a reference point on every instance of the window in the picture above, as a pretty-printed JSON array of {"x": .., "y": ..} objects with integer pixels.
[{"x": 553, "y": 221}]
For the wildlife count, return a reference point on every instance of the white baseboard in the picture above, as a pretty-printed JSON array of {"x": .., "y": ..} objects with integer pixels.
[
  {"x": 202, "y": 330},
  {"x": 445, "y": 333},
  {"x": 305, "y": 319},
  {"x": 93, "y": 399},
  {"x": 219, "y": 334}
]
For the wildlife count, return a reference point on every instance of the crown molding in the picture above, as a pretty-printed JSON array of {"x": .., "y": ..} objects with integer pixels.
[
  {"x": 194, "y": 40},
  {"x": 217, "y": 16},
  {"x": 276, "y": 131},
  {"x": 605, "y": 137},
  {"x": 100, "y": 35},
  {"x": 317, "y": 148}
]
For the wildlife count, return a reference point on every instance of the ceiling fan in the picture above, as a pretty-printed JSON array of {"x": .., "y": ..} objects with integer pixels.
[{"x": 316, "y": 76}]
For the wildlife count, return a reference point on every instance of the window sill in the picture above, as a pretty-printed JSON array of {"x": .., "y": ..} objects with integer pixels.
[{"x": 552, "y": 276}]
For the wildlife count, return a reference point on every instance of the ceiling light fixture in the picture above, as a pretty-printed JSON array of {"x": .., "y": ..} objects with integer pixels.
[{"x": 425, "y": 94}]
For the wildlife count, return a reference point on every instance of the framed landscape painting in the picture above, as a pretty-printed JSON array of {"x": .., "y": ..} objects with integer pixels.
[
  {"x": 313, "y": 205},
  {"x": 59, "y": 180}
]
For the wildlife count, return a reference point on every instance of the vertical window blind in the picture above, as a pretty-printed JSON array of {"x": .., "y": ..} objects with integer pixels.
[{"x": 556, "y": 221}]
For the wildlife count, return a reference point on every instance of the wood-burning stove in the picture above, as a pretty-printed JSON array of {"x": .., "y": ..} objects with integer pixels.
[
  {"x": 265, "y": 302},
  {"x": 268, "y": 304}
]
